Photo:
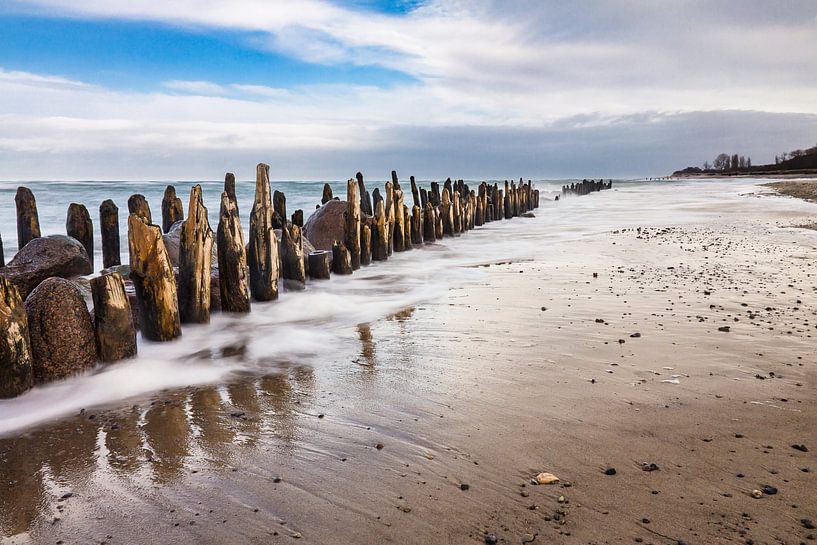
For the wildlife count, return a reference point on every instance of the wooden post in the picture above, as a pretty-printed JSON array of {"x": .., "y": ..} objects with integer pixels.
[
  {"x": 406, "y": 228},
  {"x": 415, "y": 193},
  {"x": 232, "y": 259},
  {"x": 447, "y": 213},
  {"x": 429, "y": 225},
  {"x": 172, "y": 208},
  {"x": 2, "y": 253},
  {"x": 298, "y": 218},
  {"x": 380, "y": 232},
  {"x": 365, "y": 244},
  {"x": 279, "y": 210},
  {"x": 263, "y": 251},
  {"x": 456, "y": 207},
  {"x": 28, "y": 221},
  {"x": 416, "y": 226},
  {"x": 341, "y": 260},
  {"x": 423, "y": 198},
  {"x": 352, "y": 228},
  {"x": 195, "y": 262},
  {"x": 113, "y": 319},
  {"x": 138, "y": 204},
  {"x": 399, "y": 230},
  {"x": 478, "y": 210},
  {"x": 319, "y": 264},
  {"x": 327, "y": 194},
  {"x": 292, "y": 257},
  {"x": 15, "y": 348},
  {"x": 438, "y": 223},
  {"x": 365, "y": 200},
  {"x": 390, "y": 215},
  {"x": 78, "y": 225},
  {"x": 229, "y": 187},
  {"x": 153, "y": 278},
  {"x": 109, "y": 228}
]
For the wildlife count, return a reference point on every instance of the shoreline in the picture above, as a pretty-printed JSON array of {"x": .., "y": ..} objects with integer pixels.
[{"x": 484, "y": 387}]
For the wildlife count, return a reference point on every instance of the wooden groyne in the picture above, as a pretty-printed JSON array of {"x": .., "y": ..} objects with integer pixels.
[
  {"x": 586, "y": 186},
  {"x": 181, "y": 272}
]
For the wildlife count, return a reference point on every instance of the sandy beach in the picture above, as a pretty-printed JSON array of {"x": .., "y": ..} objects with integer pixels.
[{"x": 683, "y": 349}]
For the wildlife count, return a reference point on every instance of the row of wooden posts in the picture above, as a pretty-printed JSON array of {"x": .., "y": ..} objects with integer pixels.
[
  {"x": 375, "y": 226},
  {"x": 586, "y": 186}
]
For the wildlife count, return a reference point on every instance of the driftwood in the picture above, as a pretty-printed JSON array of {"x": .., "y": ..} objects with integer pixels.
[
  {"x": 319, "y": 264},
  {"x": 16, "y": 374},
  {"x": 195, "y": 262},
  {"x": 232, "y": 259},
  {"x": 341, "y": 259},
  {"x": 172, "y": 208},
  {"x": 279, "y": 210},
  {"x": 292, "y": 257},
  {"x": 138, "y": 204},
  {"x": 153, "y": 278},
  {"x": 28, "y": 221},
  {"x": 327, "y": 194},
  {"x": 380, "y": 233},
  {"x": 365, "y": 244},
  {"x": 78, "y": 225},
  {"x": 109, "y": 228},
  {"x": 262, "y": 257},
  {"x": 352, "y": 227},
  {"x": 113, "y": 320}
]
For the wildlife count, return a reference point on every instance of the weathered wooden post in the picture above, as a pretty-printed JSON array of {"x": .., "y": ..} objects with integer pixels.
[
  {"x": 380, "y": 232},
  {"x": 113, "y": 319},
  {"x": 456, "y": 215},
  {"x": 406, "y": 228},
  {"x": 16, "y": 374},
  {"x": 423, "y": 198},
  {"x": 298, "y": 218},
  {"x": 78, "y": 225},
  {"x": 366, "y": 243},
  {"x": 478, "y": 209},
  {"x": 2, "y": 253},
  {"x": 279, "y": 210},
  {"x": 389, "y": 197},
  {"x": 153, "y": 278},
  {"x": 365, "y": 200},
  {"x": 327, "y": 194},
  {"x": 292, "y": 257},
  {"x": 416, "y": 226},
  {"x": 195, "y": 262},
  {"x": 263, "y": 250},
  {"x": 429, "y": 225},
  {"x": 109, "y": 228},
  {"x": 352, "y": 227},
  {"x": 229, "y": 187},
  {"x": 341, "y": 260},
  {"x": 399, "y": 230},
  {"x": 232, "y": 259},
  {"x": 28, "y": 221},
  {"x": 172, "y": 208},
  {"x": 319, "y": 264},
  {"x": 138, "y": 204},
  {"x": 438, "y": 223},
  {"x": 415, "y": 193},
  {"x": 447, "y": 213},
  {"x": 507, "y": 202}
]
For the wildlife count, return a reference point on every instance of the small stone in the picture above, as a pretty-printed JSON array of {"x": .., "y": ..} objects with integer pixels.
[
  {"x": 379, "y": 446},
  {"x": 635, "y": 335},
  {"x": 491, "y": 539},
  {"x": 807, "y": 524},
  {"x": 757, "y": 494},
  {"x": 801, "y": 448},
  {"x": 769, "y": 490},
  {"x": 547, "y": 478},
  {"x": 610, "y": 471},
  {"x": 464, "y": 486},
  {"x": 724, "y": 328}
]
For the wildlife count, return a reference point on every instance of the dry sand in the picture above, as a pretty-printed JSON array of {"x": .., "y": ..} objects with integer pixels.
[{"x": 432, "y": 432}]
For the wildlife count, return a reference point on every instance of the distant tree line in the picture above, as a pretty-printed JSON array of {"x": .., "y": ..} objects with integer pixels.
[
  {"x": 725, "y": 163},
  {"x": 800, "y": 160},
  {"x": 783, "y": 157}
]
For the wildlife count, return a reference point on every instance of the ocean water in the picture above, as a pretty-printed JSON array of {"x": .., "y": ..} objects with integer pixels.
[{"x": 313, "y": 326}]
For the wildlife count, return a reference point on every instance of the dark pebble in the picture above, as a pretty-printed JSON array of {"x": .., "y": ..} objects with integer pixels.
[
  {"x": 464, "y": 486},
  {"x": 491, "y": 539},
  {"x": 770, "y": 490},
  {"x": 610, "y": 471},
  {"x": 807, "y": 524},
  {"x": 801, "y": 448}
]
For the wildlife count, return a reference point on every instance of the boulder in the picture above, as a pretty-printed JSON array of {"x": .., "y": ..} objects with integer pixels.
[
  {"x": 61, "y": 331},
  {"x": 172, "y": 245},
  {"x": 326, "y": 225},
  {"x": 45, "y": 257}
]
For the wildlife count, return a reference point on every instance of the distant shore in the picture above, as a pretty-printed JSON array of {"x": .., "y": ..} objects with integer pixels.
[{"x": 808, "y": 173}]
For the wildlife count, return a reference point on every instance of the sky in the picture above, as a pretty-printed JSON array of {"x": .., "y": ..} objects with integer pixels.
[{"x": 475, "y": 89}]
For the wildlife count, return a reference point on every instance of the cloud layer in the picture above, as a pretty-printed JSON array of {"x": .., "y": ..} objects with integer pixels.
[{"x": 511, "y": 81}]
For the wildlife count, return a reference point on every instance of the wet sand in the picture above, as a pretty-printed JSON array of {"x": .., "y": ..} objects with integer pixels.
[{"x": 430, "y": 430}]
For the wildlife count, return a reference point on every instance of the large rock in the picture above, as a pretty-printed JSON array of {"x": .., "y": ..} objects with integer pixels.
[
  {"x": 326, "y": 225},
  {"x": 62, "y": 335},
  {"x": 172, "y": 244},
  {"x": 45, "y": 257}
]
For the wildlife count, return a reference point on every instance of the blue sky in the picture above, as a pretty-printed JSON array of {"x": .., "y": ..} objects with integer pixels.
[{"x": 436, "y": 85}]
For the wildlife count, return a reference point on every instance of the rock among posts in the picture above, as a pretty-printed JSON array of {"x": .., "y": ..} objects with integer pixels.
[
  {"x": 62, "y": 336},
  {"x": 44, "y": 257},
  {"x": 326, "y": 225},
  {"x": 15, "y": 350}
]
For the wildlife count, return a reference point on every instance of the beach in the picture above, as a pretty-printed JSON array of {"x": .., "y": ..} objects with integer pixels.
[{"x": 663, "y": 331}]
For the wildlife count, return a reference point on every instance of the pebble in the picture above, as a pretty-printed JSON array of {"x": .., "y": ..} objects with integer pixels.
[
  {"x": 757, "y": 494},
  {"x": 770, "y": 490},
  {"x": 801, "y": 448},
  {"x": 807, "y": 524},
  {"x": 491, "y": 539},
  {"x": 464, "y": 486},
  {"x": 610, "y": 471}
]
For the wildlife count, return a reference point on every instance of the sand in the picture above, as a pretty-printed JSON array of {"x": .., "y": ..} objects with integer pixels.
[{"x": 432, "y": 429}]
